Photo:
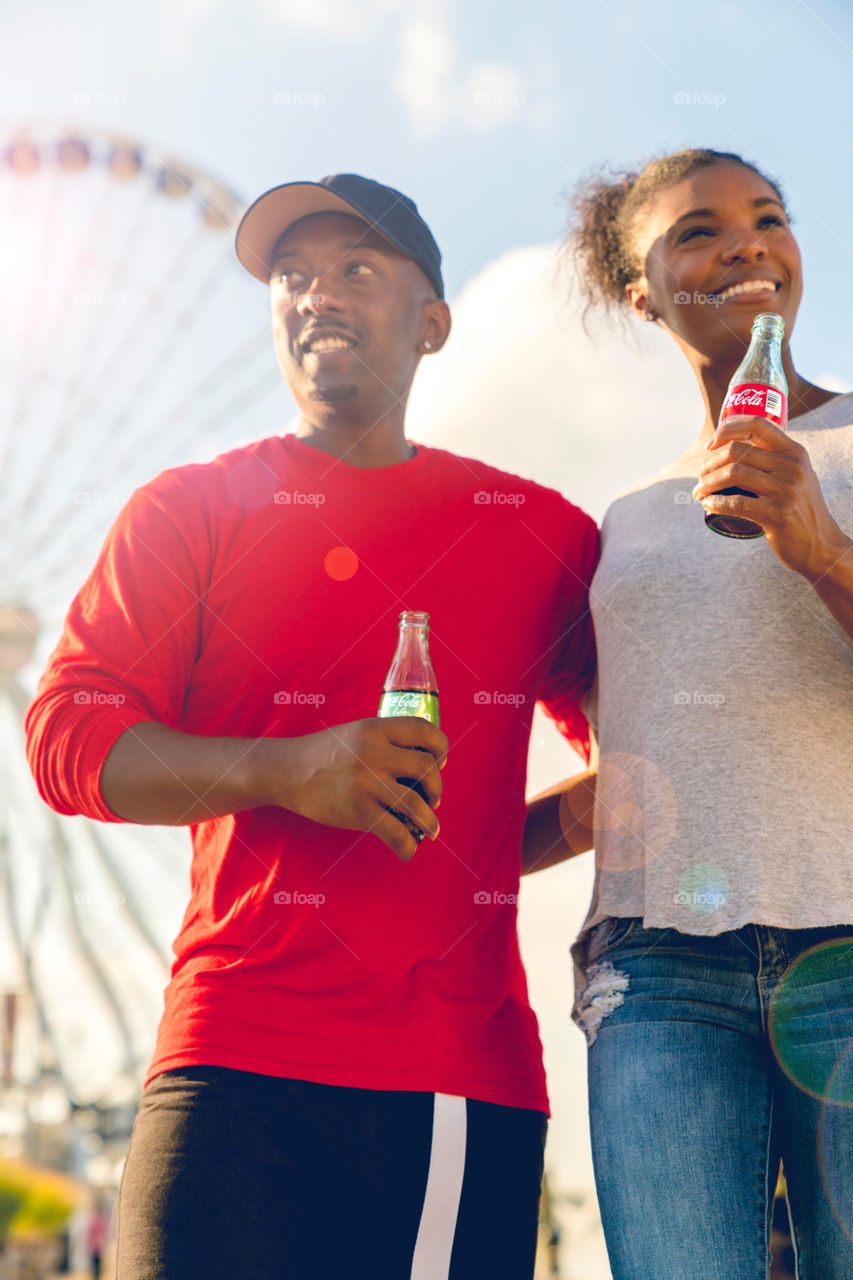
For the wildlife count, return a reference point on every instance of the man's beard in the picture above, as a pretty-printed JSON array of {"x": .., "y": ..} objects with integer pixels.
[{"x": 327, "y": 394}]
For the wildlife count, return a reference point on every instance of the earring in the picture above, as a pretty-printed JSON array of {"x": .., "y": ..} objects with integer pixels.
[
  {"x": 649, "y": 315},
  {"x": 427, "y": 345}
]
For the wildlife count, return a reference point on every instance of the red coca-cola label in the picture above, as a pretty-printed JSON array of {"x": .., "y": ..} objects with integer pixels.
[{"x": 752, "y": 400}]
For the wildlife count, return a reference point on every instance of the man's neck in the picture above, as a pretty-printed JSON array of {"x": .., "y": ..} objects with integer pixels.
[{"x": 379, "y": 445}]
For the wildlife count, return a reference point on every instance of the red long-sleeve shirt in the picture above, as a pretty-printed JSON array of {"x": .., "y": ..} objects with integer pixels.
[{"x": 259, "y": 594}]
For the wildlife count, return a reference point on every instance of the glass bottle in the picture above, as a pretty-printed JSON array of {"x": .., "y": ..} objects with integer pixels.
[
  {"x": 758, "y": 389},
  {"x": 411, "y": 689}
]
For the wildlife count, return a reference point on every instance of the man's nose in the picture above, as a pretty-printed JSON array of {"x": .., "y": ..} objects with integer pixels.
[{"x": 318, "y": 298}]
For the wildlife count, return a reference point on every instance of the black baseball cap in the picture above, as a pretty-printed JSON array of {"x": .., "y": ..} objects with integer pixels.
[{"x": 392, "y": 214}]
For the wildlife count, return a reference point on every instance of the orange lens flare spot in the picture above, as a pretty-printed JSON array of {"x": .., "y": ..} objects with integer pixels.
[{"x": 340, "y": 563}]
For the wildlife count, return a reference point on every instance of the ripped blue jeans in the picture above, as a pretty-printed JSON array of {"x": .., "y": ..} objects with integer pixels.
[{"x": 709, "y": 1058}]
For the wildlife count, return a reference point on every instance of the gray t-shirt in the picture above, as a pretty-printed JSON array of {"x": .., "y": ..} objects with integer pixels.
[{"x": 724, "y": 713}]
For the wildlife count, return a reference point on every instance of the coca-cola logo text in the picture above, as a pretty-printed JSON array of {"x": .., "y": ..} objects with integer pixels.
[{"x": 752, "y": 396}]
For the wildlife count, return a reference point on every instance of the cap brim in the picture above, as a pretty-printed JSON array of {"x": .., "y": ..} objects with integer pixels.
[{"x": 264, "y": 222}]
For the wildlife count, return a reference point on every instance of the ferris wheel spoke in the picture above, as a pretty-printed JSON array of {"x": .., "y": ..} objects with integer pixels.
[
  {"x": 28, "y": 974},
  {"x": 61, "y": 437},
  {"x": 241, "y": 403},
  {"x": 30, "y": 376},
  {"x": 113, "y": 365},
  {"x": 174, "y": 428},
  {"x": 122, "y": 887}
]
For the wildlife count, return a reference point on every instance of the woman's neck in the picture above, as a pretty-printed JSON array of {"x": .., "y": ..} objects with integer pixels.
[{"x": 714, "y": 378}]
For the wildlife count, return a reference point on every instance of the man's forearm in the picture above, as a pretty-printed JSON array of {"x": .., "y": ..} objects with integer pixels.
[
  {"x": 559, "y": 823},
  {"x": 156, "y": 775}
]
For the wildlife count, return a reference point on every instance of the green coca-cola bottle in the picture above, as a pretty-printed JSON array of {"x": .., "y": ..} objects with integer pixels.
[
  {"x": 411, "y": 689},
  {"x": 758, "y": 389}
]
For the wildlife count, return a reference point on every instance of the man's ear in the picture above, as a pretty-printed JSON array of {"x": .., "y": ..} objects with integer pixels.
[{"x": 435, "y": 326}]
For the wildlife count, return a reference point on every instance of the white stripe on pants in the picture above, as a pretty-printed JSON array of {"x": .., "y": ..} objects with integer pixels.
[{"x": 434, "y": 1244}]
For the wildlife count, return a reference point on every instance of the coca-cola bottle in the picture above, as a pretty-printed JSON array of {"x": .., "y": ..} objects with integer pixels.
[
  {"x": 411, "y": 689},
  {"x": 758, "y": 389}
]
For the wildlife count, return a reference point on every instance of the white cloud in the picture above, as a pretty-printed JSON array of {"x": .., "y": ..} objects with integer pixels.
[
  {"x": 421, "y": 75},
  {"x": 833, "y": 382},
  {"x": 494, "y": 93},
  {"x": 185, "y": 22},
  {"x": 434, "y": 91},
  {"x": 522, "y": 386},
  {"x": 337, "y": 20}
]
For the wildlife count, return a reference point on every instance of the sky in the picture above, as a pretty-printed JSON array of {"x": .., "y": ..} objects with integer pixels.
[{"x": 486, "y": 114}]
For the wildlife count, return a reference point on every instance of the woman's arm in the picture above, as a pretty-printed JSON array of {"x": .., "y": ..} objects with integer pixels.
[{"x": 559, "y": 822}]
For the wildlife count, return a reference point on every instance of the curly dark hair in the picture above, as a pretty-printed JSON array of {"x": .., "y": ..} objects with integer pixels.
[{"x": 605, "y": 206}]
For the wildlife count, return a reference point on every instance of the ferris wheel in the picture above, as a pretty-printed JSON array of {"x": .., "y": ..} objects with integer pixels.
[{"x": 129, "y": 342}]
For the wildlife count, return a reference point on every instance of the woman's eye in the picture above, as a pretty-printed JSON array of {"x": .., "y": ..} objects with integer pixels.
[
  {"x": 771, "y": 220},
  {"x": 696, "y": 231}
]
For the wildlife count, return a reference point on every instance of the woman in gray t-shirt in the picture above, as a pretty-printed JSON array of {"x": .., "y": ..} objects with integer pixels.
[{"x": 716, "y": 962}]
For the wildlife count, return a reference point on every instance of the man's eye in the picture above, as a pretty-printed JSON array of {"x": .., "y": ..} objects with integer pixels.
[{"x": 359, "y": 268}]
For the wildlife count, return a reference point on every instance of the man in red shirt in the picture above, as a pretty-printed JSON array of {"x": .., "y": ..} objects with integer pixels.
[{"x": 348, "y": 1075}]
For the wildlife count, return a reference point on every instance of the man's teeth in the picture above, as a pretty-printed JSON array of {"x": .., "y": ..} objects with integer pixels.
[
  {"x": 329, "y": 344},
  {"x": 747, "y": 286}
]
